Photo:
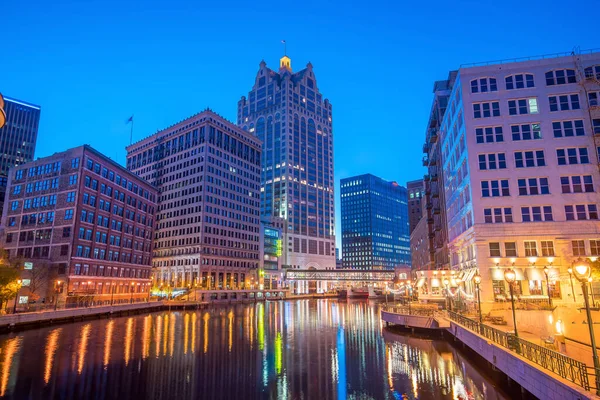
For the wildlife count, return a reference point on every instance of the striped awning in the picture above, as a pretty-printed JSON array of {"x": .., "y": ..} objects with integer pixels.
[{"x": 469, "y": 274}]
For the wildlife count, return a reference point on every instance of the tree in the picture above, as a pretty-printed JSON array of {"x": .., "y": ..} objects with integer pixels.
[
  {"x": 38, "y": 280},
  {"x": 9, "y": 284}
]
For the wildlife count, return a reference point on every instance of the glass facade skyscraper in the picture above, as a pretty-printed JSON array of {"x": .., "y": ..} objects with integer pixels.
[
  {"x": 375, "y": 224},
  {"x": 286, "y": 111},
  {"x": 17, "y": 138}
]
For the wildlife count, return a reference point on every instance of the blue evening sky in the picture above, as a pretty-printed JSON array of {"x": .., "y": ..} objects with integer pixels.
[{"x": 91, "y": 64}]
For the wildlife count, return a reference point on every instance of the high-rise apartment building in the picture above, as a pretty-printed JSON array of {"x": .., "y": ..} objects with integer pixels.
[
  {"x": 435, "y": 201},
  {"x": 17, "y": 138},
  {"x": 207, "y": 172},
  {"x": 416, "y": 192},
  {"x": 520, "y": 160},
  {"x": 286, "y": 111},
  {"x": 375, "y": 227},
  {"x": 80, "y": 218}
]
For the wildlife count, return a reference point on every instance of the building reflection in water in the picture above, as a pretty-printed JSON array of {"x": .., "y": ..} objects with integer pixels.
[{"x": 300, "y": 349}]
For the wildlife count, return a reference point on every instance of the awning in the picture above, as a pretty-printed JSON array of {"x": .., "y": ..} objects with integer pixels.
[
  {"x": 498, "y": 274},
  {"x": 535, "y": 274},
  {"x": 469, "y": 274},
  {"x": 420, "y": 282}
]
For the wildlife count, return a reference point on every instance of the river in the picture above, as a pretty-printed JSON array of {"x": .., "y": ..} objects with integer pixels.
[{"x": 303, "y": 349}]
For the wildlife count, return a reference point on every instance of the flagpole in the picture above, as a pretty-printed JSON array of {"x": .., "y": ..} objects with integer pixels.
[{"x": 131, "y": 132}]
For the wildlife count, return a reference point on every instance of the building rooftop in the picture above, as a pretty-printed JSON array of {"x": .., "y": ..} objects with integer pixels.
[{"x": 531, "y": 58}]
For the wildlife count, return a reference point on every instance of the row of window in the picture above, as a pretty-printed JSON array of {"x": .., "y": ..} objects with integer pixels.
[
  {"x": 563, "y": 102},
  {"x": 537, "y": 186},
  {"x": 577, "y": 212},
  {"x": 534, "y": 158},
  {"x": 522, "y": 81},
  {"x": 546, "y": 248}
]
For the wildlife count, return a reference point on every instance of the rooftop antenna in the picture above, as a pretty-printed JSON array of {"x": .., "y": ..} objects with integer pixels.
[{"x": 284, "y": 47}]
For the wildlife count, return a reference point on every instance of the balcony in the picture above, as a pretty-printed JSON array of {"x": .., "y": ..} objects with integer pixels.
[
  {"x": 432, "y": 135},
  {"x": 425, "y": 161}
]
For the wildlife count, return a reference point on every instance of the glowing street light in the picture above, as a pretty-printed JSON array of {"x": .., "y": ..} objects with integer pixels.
[
  {"x": 582, "y": 272},
  {"x": 477, "y": 279},
  {"x": 510, "y": 277}
]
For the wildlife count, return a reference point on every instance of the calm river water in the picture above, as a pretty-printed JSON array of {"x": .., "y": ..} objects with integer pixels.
[{"x": 304, "y": 349}]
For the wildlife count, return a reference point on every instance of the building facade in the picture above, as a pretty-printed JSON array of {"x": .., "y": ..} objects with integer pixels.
[
  {"x": 271, "y": 245},
  {"x": 520, "y": 162},
  {"x": 416, "y": 192},
  {"x": 375, "y": 226},
  {"x": 83, "y": 223},
  {"x": 207, "y": 172},
  {"x": 286, "y": 111},
  {"x": 17, "y": 138}
]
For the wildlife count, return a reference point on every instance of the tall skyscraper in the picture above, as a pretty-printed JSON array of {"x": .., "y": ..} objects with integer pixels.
[
  {"x": 416, "y": 190},
  {"x": 519, "y": 151},
  {"x": 17, "y": 138},
  {"x": 374, "y": 223},
  {"x": 207, "y": 172},
  {"x": 80, "y": 218},
  {"x": 286, "y": 111}
]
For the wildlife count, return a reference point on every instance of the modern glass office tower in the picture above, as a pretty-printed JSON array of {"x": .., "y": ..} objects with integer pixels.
[
  {"x": 286, "y": 111},
  {"x": 375, "y": 224},
  {"x": 17, "y": 138}
]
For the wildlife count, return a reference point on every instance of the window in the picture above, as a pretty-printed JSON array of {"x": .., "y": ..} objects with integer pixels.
[
  {"x": 595, "y": 247},
  {"x": 495, "y": 188},
  {"x": 486, "y": 110},
  {"x": 533, "y": 186},
  {"x": 483, "y": 85},
  {"x": 492, "y": 161},
  {"x": 526, "y": 131},
  {"x": 536, "y": 214},
  {"x": 70, "y": 197},
  {"x": 510, "y": 249},
  {"x": 75, "y": 163},
  {"x": 577, "y": 184},
  {"x": 519, "y": 81},
  {"x": 572, "y": 155},
  {"x": 495, "y": 249},
  {"x": 17, "y": 189},
  {"x": 19, "y": 174},
  {"x": 594, "y": 99},
  {"x": 581, "y": 212},
  {"x": 530, "y": 248},
  {"x": 547, "y": 248},
  {"x": 578, "y": 247},
  {"x": 523, "y": 106},
  {"x": 69, "y": 214},
  {"x": 497, "y": 215},
  {"x": 596, "y": 126},
  {"x": 560, "y": 77},
  {"x": 64, "y": 249},
  {"x": 527, "y": 159},
  {"x": 73, "y": 180},
  {"x": 564, "y": 102},
  {"x": 592, "y": 72},
  {"x": 568, "y": 128},
  {"x": 489, "y": 134},
  {"x": 14, "y": 205},
  {"x": 66, "y": 232}
]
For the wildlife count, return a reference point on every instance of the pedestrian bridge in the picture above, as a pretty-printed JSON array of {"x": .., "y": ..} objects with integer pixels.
[{"x": 341, "y": 275}]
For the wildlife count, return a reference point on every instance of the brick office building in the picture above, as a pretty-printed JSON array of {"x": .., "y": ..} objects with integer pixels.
[{"x": 85, "y": 219}]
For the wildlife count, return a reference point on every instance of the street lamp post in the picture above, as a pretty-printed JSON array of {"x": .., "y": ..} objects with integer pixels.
[
  {"x": 510, "y": 276},
  {"x": 546, "y": 272},
  {"x": 56, "y": 291},
  {"x": 477, "y": 279},
  {"x": 570, "y": 271},
  {"x": 446, "y": 283},
  {"x": 582, "y": 272},
  {"x": 591, "y": 289},
  {"x": 17, "y": 296},
  {"x": 131, "y": 291}
]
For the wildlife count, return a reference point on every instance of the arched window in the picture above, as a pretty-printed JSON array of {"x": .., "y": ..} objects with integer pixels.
[
  {"x": 519, "y": 81},
  {"x": 483, "y": 85},
  {"x": 560, "y": 77}
]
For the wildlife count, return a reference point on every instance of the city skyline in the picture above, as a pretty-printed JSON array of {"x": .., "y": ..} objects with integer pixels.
[{"x": 79, "y": 79}]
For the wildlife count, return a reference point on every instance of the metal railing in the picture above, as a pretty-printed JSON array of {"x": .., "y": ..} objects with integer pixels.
[{"x": 565, "y": 367}]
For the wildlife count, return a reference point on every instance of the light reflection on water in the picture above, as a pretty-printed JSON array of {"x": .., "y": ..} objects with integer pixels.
[{"x": 310, "y": 349}]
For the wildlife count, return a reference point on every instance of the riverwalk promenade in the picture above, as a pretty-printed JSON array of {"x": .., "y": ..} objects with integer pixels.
[{"x": 544, "y": 372}]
